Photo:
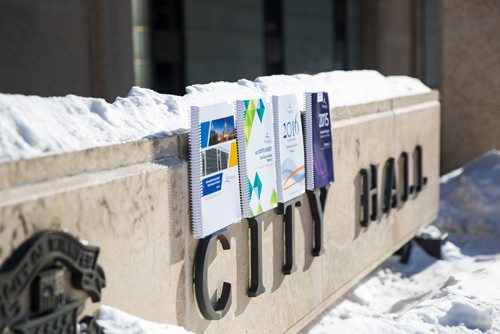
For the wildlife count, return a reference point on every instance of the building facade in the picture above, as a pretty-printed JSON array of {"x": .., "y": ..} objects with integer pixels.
[{"x": 102, "y": 47}]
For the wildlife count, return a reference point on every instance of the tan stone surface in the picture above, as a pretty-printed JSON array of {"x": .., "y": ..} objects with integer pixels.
[
  {"x": 349, "y": 247},
  {"x": 470, "y": 80},
  {"x": 404, "y": 101},
  {"x": 340, "y": 113},
  {"x": 132, "y": 200},
  {"x": 352, "y": 251},
  {"x": 426, "y": 203},
  {"x": 21, "y": 172},
  {"x": 126, "y": 212}
]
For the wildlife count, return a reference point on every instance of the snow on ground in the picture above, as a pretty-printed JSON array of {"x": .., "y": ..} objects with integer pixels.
[
  {"x": 33, "y": 126},
  {"x": 459, "y": 294},
  {"x": 114, "y": 321}
]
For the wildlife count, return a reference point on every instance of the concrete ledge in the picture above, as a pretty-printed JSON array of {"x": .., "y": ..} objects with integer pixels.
[
  {"x": 21, "y": 172},
  {"x": 340, "y": 113},
  {"x": 404, "y": 101}
]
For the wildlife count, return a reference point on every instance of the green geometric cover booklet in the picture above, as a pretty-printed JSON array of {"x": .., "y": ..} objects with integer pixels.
[{"x": 256, "y": 151}]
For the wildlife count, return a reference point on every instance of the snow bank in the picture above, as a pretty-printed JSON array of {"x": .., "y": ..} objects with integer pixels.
[
  {"x": 459, "y": 294},
  {"x": 114, "y": 321},
  {"x": 356, "y": 87},
  {"x": 345, "y": 88},
  {"x": 402, "y": 85},
  {"x": 32, "y": 126},
  {"x": 470, "y": 202},
  {"x": 219, "y": 91}
]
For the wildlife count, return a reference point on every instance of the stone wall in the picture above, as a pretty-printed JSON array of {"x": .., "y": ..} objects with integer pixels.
[
  {"x": 52, "y": 47},
  {"x": 308, "y": 36},
  {"x": 224, "y": 40},
  {"x": 470, "y": 80},
  {"x": 132, "y": 200}
]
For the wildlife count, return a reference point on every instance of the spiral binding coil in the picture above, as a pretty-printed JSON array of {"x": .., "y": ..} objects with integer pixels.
[
  {"x": 308, "y": 137},
  {"x": 242, "y": 161},
  {"x": 279, "y": 176},
  {"x": 195, "y": 174}
]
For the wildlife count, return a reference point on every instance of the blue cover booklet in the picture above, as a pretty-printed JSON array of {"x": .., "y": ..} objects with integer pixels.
[
  {"x": 318, "y": 141},
  {"x": 215, "y": 190}
]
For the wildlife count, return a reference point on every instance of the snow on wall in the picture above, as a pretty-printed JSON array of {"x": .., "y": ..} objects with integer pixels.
[{"x": 33, "y": 126}]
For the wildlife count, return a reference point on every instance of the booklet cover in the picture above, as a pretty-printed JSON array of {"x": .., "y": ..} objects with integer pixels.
[
  {"x": 289, "y": 145},
  {"x": 319, "y": 141},
  {"x": 215, "y": 190},
  {"x": 255, "y": 133}
]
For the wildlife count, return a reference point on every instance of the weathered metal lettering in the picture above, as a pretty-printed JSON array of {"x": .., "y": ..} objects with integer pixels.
[
  {"x": 369, "y": 195},
  {"x": 392, "y": 194},
  {"x": 390, "y": 187},
  {"x": 221, "y": 307},
  {"x": 256, "y": 284},
  {"x": 288, "y": 211},
  {"x": 317, "y": 202},
  {"x": 34, "y": 295}
]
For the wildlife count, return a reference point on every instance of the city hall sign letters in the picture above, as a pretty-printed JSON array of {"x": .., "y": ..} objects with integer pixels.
[{"x": 397, "y": 187}]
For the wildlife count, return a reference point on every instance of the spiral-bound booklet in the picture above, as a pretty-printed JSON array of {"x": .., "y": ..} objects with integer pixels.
[
  {"x": 255, "y": 132},
  {"x": 318, "y": 141},
  {"x": 215, "y": 190},
  {"x": 289, "y": 147}
]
